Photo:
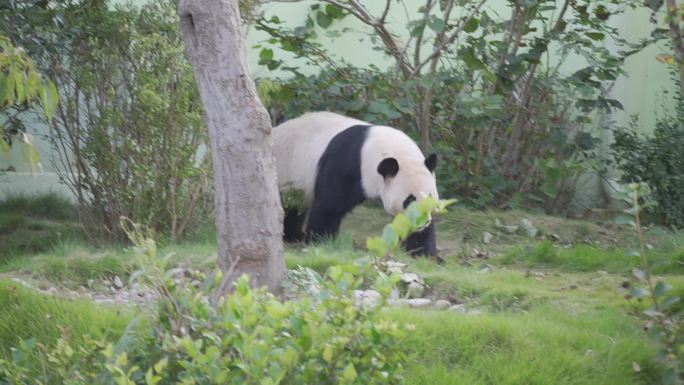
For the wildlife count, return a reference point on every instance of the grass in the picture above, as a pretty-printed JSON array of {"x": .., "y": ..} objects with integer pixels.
[
  {"x": 26, "y": 314},
  {"x": 30, "y": 225},
  {"x": 553, "y": 311},
  {"x": 544, "y": 346},
  {"x": 589, "y": 258}
]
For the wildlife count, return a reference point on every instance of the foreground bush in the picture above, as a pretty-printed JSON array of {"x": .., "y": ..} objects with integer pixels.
[{"x": 249, "y": 337}]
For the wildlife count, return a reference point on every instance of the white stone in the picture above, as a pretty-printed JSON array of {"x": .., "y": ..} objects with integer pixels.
[
  {"x": 366, "y": 298},
  {"x": 460, "y": 308},
  {"x": 415, "y": 289},
  {"x": 442, "y": 304},
  {"x": 419, "y": 302},
  {"x": 409, "y": 277},
  {"x": 487, "y": 237}
]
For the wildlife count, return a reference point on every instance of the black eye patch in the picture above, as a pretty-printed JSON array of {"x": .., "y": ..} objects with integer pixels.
[{"x": 408, "y": 200}]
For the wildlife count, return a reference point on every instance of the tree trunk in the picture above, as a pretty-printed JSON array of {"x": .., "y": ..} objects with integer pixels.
[{"x": 248, "y": 211}]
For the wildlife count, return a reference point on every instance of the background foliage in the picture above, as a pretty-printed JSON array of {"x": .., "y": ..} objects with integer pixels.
[
  {"x": 658, "y": 161},
  {"x": 129, "y": 132},
  {"x": 488, "y": 92}
]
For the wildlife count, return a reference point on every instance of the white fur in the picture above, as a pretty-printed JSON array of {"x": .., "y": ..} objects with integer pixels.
[
  {"x": 299, "y": 143},
  {"x": 413, "y": 176}
]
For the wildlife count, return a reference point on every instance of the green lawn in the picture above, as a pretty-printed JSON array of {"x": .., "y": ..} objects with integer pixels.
[{"x": 552, "y": 308}]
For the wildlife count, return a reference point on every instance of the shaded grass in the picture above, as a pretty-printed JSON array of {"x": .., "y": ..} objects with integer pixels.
[
  {"x": 545, "y": 346},
  {"x": 48, "y": 206},
  {"x": 73, "y": 264},
  {"x": 25, "y": 314},
  {"x": 30, "y": 225}
]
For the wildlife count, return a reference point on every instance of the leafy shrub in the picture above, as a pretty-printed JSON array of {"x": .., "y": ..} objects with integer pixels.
[
  {"x": 512, "y": 127},
  {"x": 666, "y": 325},
  {"x": 248, "y": 337},
  {"x": 129, "y": 131},
  {"x": 659, "y": 162}
]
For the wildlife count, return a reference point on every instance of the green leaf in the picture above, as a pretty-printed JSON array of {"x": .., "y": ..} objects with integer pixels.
[
  {"x": 401, "y": 225},
  {"x": 266, "y": 54},
  {"x": 49, "y": 97},
  {"x": 471, "y": 25},
  {"x": 349, "y": 373},
  {"x": 389, "y": 237},
  {"x": 669, "y": 301},
  {"x": 427, "y": 204},
  {"x": 638, "y": 273},
  {"x": 623, "y": 219},
  {"x": 550, "y": 189},
  {"x": 376, "y": 245},
  {"x": 436, "y": 24},
  {"x": 328, "y": 353},
  {"x": 637, "y": 292},
  {"x": 19, "y": 88},
  {"x": 323, "y": 19},
  {"x": 661, "y": 288},
  {"x": 595, "y": 35},
  {"x": 418, "y": 30},
  {"x": 334, "y": 12},
  {"x": 4, "y": 147}
]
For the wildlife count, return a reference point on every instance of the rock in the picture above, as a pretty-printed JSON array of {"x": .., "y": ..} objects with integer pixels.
[
  {"x": 419, "y": 302},
  {"x": 511, "y": 229},
  {"x": 399, "y": 302},
  {"x": 415, "y": 289},
  {"x": 366, "y": 298},
  {"x": 410, "y": 277},
  {"x": 395, "y": 267},
  {"x": 487, "y": 237},
  {"x": 117, "y": 284},
  {"x": 474, "y": 312},
  {"x": 441, "y": 304},
  {"x": 459, "y": 308},
  {"x": 528, "y": 228},
  {"x": 394, "y": 295},
  {"x": 485, "y": 269}
]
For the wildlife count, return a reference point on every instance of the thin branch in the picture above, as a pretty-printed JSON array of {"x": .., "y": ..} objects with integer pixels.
[
  {"x": 384, "y": 13},
  {"x": 459, "y": 28}
]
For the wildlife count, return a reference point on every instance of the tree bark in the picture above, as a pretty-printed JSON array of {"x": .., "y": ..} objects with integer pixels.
[{"x": 248, "y": 210}]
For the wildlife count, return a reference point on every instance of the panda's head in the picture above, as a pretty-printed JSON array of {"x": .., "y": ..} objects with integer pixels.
[{"x": 406, "y": 181}]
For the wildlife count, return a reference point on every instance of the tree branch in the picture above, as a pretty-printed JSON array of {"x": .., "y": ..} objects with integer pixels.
[{"x": 459, "y": 28}]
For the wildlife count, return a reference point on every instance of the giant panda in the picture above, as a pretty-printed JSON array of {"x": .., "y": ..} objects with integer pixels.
[{"x": 338, "y": 162}]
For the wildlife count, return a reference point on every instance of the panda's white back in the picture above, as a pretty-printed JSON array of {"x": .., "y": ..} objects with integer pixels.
[{"x": 299, "y": 143}]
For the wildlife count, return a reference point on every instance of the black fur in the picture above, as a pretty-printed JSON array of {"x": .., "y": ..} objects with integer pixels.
[
  {"x": 338, "y": 183},
  {"x": 293, "y": 224},
  {"x": 388, "y": 167},
  {"x": 431, "y": 162},
  {"x": 423, "y": 243}
]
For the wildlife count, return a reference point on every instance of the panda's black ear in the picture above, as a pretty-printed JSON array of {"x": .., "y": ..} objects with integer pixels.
[
  {"x": 388, "y": 167},
  {"x": 431, "y": 162}
]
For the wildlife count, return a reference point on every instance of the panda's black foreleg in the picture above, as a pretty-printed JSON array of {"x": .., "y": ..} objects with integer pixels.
[
  {"x": 293, "y": 225},
  {"x": 324, "y": 222}
]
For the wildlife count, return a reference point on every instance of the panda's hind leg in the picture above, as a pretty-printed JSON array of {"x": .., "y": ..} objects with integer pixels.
[{"x": 293, "y": 225}]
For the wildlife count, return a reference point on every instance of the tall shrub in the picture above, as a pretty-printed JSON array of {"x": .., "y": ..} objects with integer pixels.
[
  {"x": 487, "y": 91},
  {"x": 658, "y": 161},
  {"x": 129, "y": 132}
]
